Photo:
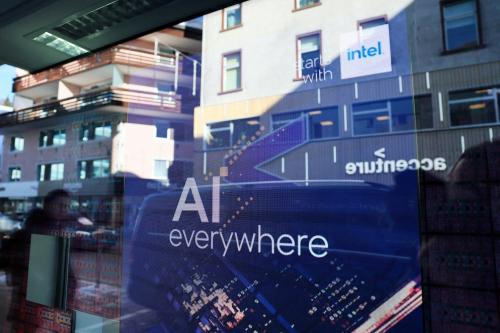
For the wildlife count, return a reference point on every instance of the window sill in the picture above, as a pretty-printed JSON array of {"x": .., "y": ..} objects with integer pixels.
[
  {"x": 296, "y": 9},
  {"x": 230, "y": 91},
  {"x": 463, "y": 49},
  {"x": 232, "y": 28}
]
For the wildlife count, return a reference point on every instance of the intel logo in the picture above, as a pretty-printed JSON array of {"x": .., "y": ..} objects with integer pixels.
[{"x": 364, "y": 52}]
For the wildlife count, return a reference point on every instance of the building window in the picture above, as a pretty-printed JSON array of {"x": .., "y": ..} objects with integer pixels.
[
  {"x": 52, "y": 138},
  {"x": 230, "y": 133},
  {"x": 15, "y": 174},
  {"x": 301, "y": 4},
  {"x": 280, "y": 120},
  {"x": 219, "y": 135},
  {"x": 54, "y": 171},
  {"x": 371, "y": 118},
  {"x": 424, "y": 115},
  {"x": 372, "y": 23},
  {"x": 161, "y": 169},
  {"x": 93, "y": 169},
  {"x": 308, "y": 54},
  {"x": 16, "y": 143},
  {"x": 398, "y": 115},
  {"x": 96, "y": 131},
  {"x": 231, "y": 17},
  {"x": 321, "y": 123},
  {"x": 461, "y": 26},
  {"x": 182, "y": 131},
  {"x": 231, "y": 79},
  {"x": 474, "y": 107}
]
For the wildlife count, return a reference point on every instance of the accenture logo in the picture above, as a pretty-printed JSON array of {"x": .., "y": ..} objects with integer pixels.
[{"x": 384, "y": 166}]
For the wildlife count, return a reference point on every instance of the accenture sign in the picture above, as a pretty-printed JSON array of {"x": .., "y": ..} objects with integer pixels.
[{"x": 386, "y": 166}]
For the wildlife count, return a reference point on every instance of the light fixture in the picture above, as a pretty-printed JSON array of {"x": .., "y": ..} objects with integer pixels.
[
  {"x": 252, "y": 122},
  {"x": 326, "y": 123},
  {"x": 478, "y": 106},
  {"x": 60, "y": 44},
  {"x": 382, "y": 118},
  {"x": 315, "y": 113}
]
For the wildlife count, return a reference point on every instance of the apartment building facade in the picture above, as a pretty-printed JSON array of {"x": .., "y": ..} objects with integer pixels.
[
  {"x": 292, "y": 91},
  {"x": 83, "y": 125}
]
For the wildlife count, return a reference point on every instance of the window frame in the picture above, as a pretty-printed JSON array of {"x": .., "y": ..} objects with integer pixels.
[
  {"x": 297, "y": 8},
  {"x": 224, "y": 27},
  {"x": 167, "y": 164},
  {"x": 92, "y": 126},
  {"x": 12, "y": 168},
  {"x": 390, "y": 114},
  {"x": 12, "y": 143},
  {"x": 89, "y": 168},
  {"x": 307, "y": 114},
  {"x": 230, "y": 128},
  {"x": 479, "y": 45},
  {"x": 298, "y": 53},
  {"x": 495, "y": 98},
  {"x": 50, "y": 133},
  {"x": 370, "y": 19},
  {"x": 48, "y": 172},
  {"x": 223, "y": 72}
]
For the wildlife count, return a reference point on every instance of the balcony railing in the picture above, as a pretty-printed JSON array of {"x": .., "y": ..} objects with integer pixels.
[
  {"x": 123, "y": 97},
  {"x": 125, "y": 55}
]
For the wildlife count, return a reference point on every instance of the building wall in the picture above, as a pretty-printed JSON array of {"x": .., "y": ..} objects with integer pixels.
[{"x": 267, "y": 40}]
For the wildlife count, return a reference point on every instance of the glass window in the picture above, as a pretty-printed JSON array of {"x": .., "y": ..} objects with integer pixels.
[
  {"x": 423, "y": 112},
  {"x": 232, "y": 72},
  {"x": 473, "y": 107},
  {"x": 309, "y": 54},
  {"x": 281, "y": 120},
  {"x": 229, "y": 133},
  {"x": 102, "y": 130},
  {"x": 161, "y": 130},
  {"x": 59, "y": 137},
  {"x": 93, "y": 131},
  {"x": 402, "y": 115},
  {"x": 15, "y": 174},
  {"x": 244, "y": 129},
  {"x": 232, "y": 16},
  {"x": 83, "y": 169},
  {"x": 42, "y": 172},
  {"x": 52, "y": 138},
  {"x": 86, "y": 132},
  {"x": 100, "y": 168},
  {"x": 16, "y": 143},
  {"x": 182, "y": 132},
  {"x": 44, "y": 139},
  {"x": 56, "y": 171},
  {"x": 371, "y": 118},
  {"x": 306, "y": 3},
  {"x": 219, "y": 135},
  {"x": 93, "y": 169},
  {"x": 460, "y": 24},
  {"x": 323, "y": 123},
  {"x": 372, "y": 23},
  {"x": 161, "y": 169}
]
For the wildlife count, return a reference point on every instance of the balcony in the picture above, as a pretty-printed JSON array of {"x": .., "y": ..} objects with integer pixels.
[
  {"x": 123, "y": 55},
  {"x": 170, "y": 102}
]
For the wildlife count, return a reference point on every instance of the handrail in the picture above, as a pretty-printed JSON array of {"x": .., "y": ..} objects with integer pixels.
[
  {"x": 109, "y": 96},
  {"x": 126, "y": 55}
]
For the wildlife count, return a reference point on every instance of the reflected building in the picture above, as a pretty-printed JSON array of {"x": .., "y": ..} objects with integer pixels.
[
  {"x": 81, "y": 126},
  {"x": 285, "y": 97}
]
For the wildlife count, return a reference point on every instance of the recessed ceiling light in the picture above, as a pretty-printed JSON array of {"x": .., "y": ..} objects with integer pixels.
[{"x": 60, "y": 44}]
